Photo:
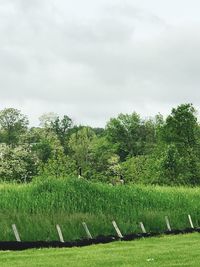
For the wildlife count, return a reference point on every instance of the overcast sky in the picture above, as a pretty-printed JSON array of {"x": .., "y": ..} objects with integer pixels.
[{"x": 93, "y": 59}]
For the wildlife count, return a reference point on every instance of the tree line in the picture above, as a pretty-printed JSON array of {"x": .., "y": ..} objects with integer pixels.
[{"x": 156, "y": 150}]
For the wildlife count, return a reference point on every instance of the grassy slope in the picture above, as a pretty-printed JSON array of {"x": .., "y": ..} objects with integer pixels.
[
  {"x": 165, "y": 251},
  {"x": 37, "y": 208}
]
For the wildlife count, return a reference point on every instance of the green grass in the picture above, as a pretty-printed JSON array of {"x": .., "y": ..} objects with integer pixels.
[
  {"x": 182, "y": 250},
  {"x": 37, "y": 207}
]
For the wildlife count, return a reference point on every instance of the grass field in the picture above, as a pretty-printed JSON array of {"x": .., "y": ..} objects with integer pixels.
[
  {"x": 37, "y": 207},
  {"x": 181, "y": 250}
]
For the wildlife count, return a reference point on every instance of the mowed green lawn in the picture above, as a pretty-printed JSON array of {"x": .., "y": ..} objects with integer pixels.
[{"x": 181, "y": 250}]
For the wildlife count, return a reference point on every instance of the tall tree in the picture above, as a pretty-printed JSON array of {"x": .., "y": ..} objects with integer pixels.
[
  {"x": 80, "y": 144},
  {"x": 17, "y": 163},
  {"x": 46, "y": 119},
  {"x": 179, "y": 147},
  {"x": 12, "y": 124},
  {"x": 131, "y": 135},
  {"x": 51, "y": 122},
  {"x": 61, "y": 128},
  {"x": 181, "y": 127},
  {"x": 102, "y": 159}
]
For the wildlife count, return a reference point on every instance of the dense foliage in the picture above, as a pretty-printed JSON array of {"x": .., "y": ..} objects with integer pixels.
[{"x": 149, "y": 151}]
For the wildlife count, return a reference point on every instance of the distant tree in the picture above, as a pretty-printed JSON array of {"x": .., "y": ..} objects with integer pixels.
[
  {"x": 134, "y": 169},
  {"x": 51, "y": 122},
  {"x": 132, "y": 136},
  {"x": 159, "y": 122},
  {"x": 169, "y": 165},
  {"x": 103, "y": 160},
  {"x": 177, "y": 154},
  {"x": 61, "y": 128},
  {"x": 58, "y": 165},
  {"x": 124, "y": 131},
  {"x": 43, "y": 149},
  {"x": 17, "y": 163},
  {"x": 99, "y": 131},
  {"x": 46, "y": 145},
  {"x": 148, "y": 137},
  {"x": 46, "y": 119},
  {"x": 12, "y": 125},
  {"x": 114, "y": 168},
  {"x": 80, "y": 145},
  {"x": 181, "y": 127}
]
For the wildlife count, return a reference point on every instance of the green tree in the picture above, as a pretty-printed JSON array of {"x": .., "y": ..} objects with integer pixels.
[
  {"x": 103, "y": 160},
  {"x": 169, "y": 166},
  {"x": 80, "y": 144},
  {"x": 12, "y": 125},
  {"x": 178, "y": 150},
  {"x": 51, "y": 122},
  {"x": 46, "y": 119},
  {"x": 45, "y": 146},
  {"x": 58, "y": 165},
  {"x": 61, "y": 128},
  {"x": 181, "y": 127},
  {"x": 134, "y": 169},
  {"x": 17, "y": 163},
  {"x": 132, "y": 136}
]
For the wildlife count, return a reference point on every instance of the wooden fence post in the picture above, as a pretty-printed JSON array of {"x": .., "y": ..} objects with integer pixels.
[
  {"x": 60, "y": 233},
  {"x": 87, "y": 230},
  {"x": 16, "y": 233},
  {"x": 190, "y": 220},
  {"x": 168, "y": 224},
  {"x": 143, "y": 228},
  {"x": 117, "y": 229}
]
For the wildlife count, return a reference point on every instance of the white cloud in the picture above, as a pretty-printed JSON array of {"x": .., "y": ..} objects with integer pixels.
[{"x": 95, "y": 60}]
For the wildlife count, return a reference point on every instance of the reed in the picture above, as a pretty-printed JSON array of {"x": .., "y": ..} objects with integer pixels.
[{"x": 37, "y": 207}]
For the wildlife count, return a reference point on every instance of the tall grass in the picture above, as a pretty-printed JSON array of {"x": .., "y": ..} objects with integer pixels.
[{"x": 37, "y": 207}]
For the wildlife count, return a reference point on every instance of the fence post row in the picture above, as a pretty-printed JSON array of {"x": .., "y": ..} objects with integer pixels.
[{"x": 18, "y": 239}]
